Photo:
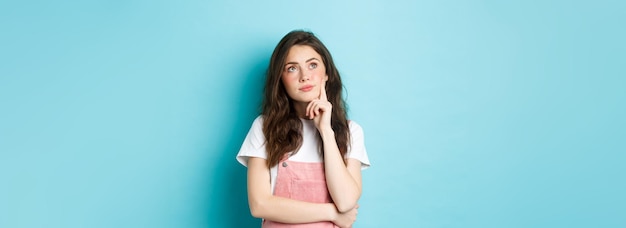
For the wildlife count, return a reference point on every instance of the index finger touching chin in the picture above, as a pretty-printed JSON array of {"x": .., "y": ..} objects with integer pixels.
[{"x": 323, "y": 91}]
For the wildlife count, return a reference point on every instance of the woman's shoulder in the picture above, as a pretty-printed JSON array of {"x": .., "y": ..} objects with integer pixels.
[
  {"x": 354, "y": 126},
  {"x": 258, "y": 120}
]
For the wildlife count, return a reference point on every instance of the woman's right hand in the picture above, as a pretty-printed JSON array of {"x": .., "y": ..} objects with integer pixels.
[{"x": 345, "y": 220}]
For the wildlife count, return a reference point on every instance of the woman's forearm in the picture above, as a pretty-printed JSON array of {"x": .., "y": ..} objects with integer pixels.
[
  {"x": 344, "y": 188},
  {"x": 280, "y": 209},
  {"x": 284, "y": 210}
]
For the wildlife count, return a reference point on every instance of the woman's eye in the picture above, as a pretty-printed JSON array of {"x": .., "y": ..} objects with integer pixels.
[
  {"x": 291, "y": 69},
  {"x": 313, "y": 65}
]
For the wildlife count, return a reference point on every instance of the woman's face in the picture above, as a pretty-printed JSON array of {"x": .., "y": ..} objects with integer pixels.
[{"x": 303, "y": 73}]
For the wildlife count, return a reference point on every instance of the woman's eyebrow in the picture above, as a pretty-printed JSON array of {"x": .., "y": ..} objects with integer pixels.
[
  {"x": 309, "y": 60},
  {"x": 291, "y": 63}
]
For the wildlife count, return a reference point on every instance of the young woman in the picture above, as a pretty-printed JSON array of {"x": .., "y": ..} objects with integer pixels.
[{"x": 304, "y": 157}]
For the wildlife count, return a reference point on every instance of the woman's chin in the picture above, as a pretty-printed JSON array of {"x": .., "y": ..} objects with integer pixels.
[{"x": 304, "y": 99}]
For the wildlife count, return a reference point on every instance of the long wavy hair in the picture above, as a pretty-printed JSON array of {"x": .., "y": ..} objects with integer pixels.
[{"x": 281, "y": 125}]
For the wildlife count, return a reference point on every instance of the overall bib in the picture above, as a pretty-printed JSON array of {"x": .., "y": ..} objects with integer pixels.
[{"x": 304, "y": 181}]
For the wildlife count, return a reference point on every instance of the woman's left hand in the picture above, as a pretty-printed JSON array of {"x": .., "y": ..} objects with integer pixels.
[{"x": 320, "y": 110}]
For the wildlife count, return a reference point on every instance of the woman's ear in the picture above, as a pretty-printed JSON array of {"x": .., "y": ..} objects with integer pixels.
[{"x": 326, "y": 78}]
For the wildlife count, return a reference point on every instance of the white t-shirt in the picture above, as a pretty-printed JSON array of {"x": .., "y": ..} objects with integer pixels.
[{"x": 254, "y": 146}]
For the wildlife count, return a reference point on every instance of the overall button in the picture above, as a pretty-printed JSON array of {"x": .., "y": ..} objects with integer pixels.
[{"x": 284, "y": 164}]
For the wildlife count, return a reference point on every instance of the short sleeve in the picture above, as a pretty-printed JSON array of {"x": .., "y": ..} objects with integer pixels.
[
  {"x": 357, "y": 145},
  {"x": 254, "y": 144}
]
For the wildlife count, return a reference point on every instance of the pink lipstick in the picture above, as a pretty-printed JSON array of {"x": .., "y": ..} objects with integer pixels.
[{"x": 306, "y": 88}]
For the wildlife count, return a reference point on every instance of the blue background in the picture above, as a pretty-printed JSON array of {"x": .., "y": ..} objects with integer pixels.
[{"x": 476, "y": 113}]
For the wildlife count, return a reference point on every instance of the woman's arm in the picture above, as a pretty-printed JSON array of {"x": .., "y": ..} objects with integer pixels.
[
  {"x": 265, "y": 205},
  {"x": 342, "y": 178}
]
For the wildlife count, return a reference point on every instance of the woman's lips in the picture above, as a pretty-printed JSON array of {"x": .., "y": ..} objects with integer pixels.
[{"x": 306, "y": 88}]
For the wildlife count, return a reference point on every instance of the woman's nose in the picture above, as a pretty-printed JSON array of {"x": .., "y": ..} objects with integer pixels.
[{"x": 304, "y": 76}]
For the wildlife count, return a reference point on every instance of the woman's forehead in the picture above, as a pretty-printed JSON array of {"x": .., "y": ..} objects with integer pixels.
[{"x": 301, "y": 53}]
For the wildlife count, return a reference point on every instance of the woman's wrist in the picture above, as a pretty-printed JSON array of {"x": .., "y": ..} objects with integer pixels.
[
  {"x": 332, "y": 212},
  {"x": 327, "y": 132}
]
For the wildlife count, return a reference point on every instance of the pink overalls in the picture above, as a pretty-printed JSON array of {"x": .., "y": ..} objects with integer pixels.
[{"x": 303, "y": 181}]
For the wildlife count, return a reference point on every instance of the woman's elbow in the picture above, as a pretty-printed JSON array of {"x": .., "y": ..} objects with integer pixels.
[
  {"x": 344, "y": 207},
  {"x": 260, "y": 206},
  {"x": 256, "y": 209},
  {"x": 256, "y": 213},
  {"x": 347, "y": 202}
]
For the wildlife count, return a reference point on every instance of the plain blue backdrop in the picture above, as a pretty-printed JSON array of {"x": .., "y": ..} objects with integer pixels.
[{"x": 476, "y": 113}]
